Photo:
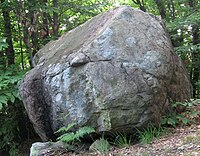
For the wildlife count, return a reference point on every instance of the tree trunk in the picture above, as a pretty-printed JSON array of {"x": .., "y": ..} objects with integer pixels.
[
  {"x": 26, "y": 31},
  {"x": 55, "y": 19},
  {"x": 173, "y": 10},
  {"x": 18, "y": 11},
  {"x": 195, "y": 61},
  {"x": 45, "y": 27},
  {"x": 195, "y": 69},
  {"x": 161, "y": 7},
  {"x": 33, "y": 31},
  {"x": 2, "y": 61},
  {"x": 141, "y": 4},
  {"x": 8, "y": 34}
]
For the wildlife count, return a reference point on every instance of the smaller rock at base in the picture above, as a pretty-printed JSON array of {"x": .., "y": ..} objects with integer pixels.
[{"x": 40, "y": 148}]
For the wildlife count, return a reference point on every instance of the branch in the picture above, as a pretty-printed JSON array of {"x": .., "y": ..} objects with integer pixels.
[{"x": 136, "y": 2}]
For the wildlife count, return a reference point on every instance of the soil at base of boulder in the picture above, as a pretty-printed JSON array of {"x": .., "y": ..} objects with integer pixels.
[{"x": 180, "y": 141}]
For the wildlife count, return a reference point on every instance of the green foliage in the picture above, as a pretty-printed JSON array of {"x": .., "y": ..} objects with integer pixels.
[
  {"x": 10, "y": 110},
  {"x": 76, "y": 12},
  {"x": 8, "y": 134},
  {"x": 9, "y": 86},
  {"x": 186, "y": 117},
  {"x": 3, "y": 43},
  {"x": 189, "y": 17},
  {"x": 150, "y": 133},
  {"x": 72, "y": 137},
  {"x": 174, "y": 119},
  {"x": 184, "y": 32},
  {"x": 101, "y": 146},
  {"x": 122, "y": 139},
  {"x": 186, "y": 104}
]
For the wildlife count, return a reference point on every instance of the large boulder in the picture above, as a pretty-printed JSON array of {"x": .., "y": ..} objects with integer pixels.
[{"x": 118, "y": 71}]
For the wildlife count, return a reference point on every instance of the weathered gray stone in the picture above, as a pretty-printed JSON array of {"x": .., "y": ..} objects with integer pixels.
[
  {"x": 117, "y": 71},
  {"x": 42, "y": 148}
]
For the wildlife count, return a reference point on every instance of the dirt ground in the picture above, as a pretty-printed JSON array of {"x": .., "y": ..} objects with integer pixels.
[{"x": 180, "y": 141}]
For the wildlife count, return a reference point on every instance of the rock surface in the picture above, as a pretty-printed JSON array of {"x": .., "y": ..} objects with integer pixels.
[
  {"x": 40, "y": 148},
  {"x": 118, "y": 71}
]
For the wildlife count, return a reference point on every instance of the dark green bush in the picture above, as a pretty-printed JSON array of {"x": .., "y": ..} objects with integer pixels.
[{"x": 14, "y": 124}]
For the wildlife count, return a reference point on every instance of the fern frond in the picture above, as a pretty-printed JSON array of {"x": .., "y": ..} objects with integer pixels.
[
  {"x": 65, "y": 129},
  {"x": 71, "y": 137},
  {"x": 83, "y": 131},
  {"x": 67, "y": 138}
]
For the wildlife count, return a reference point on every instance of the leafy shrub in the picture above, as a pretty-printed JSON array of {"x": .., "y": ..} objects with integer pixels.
[
  {"x": 12, "y": 116},
  {"x": 9, "y": 86},
  {"x": 8, "y": 134},
  {"x": 186, "y": 104},
  {"x": 185, "y": 117},
  {"x": 148, "y": 134},
  {"x": 3, "y": 43},
  {"x": 71, "y": 137}
]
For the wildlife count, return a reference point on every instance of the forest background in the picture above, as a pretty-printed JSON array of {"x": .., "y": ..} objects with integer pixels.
[{"x": 27, "y": 25}]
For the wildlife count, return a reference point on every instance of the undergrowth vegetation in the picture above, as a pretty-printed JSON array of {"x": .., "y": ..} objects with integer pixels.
[
  {"x": 150, "y": 133},
  {"x": 121, "y": 139},
  {"x": 12, "y": 114},
  {"x": 69, "y": 137},
  {"x": 100, "y": 146},
  {"x": 187, "y": 116}
]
